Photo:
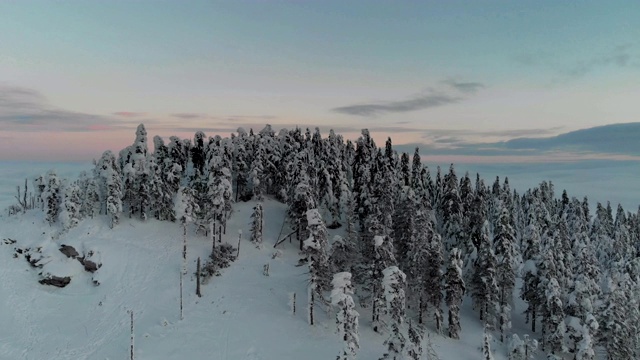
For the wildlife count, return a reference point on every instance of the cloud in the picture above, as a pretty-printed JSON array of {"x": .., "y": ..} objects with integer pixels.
[
  {"x": 447, "y": 92},
  {"x": 129, "y": 114},
  {"x": 508, "y": 133},
  {"x": 464, "y": 87},
  {"x": 413, "y": 104},
  {"x": 615, "y": 142},
  {"x": 187, "y": 115},
  {"x": 620, "y": 56},
  {"x": 23, "y": 109}
]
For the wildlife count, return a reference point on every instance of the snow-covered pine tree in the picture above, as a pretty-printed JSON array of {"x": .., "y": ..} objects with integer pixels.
[
  {"x": 553, "y": 322},
  {"x": 303, "y": 201},
  {"x": 346, "y": 316},
  {"x": 486, "y": 345},
  {"x": 394, "y": 283},
  {"x": 483, "y": 286},
  {"x": 257, "y": 225},
  {"x": 449, "y": 211},
  {"x": 315, "y": 249},
  {"x": 617, "y": 331},
  {"x": 241, "y": 165},
  {"x": 434, "y": 276},
  {"x": 418, "y": 262},
  {"x": 505, "y": 250},
  {"x": 404, "y": 223},
  {"x": 414, "y": 346},
  {"x": 91, "y": 200},
  {"x": 383, "y": 258},
  {"x": 529, "y": 292},
  {"x": 257, "y": 170},
  {"x": 362, "y": 174},
  {"x": 197, "y": 151},
  {"x": 219, "y": 192},
  {"x": 128, "y": 188},
  {"x": 585, "y": 291},
  {"x": 114, "y": 195},
  {"x": 454, "y": 288},
  {"x": 342, "y": 253},
  {"x": 140, "y": 165},
  {"x": 522, "y": 349},
  {"x": 110, "y": 187},
  {"x": 70, "y": 215},
  {"x": 52, "y": 196}
]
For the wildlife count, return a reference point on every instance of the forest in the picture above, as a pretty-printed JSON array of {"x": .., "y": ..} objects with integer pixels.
[{"x": 415, "y": 241}]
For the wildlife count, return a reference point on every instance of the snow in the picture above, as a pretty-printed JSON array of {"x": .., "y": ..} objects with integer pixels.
[
  {"x": 378, "y": 240},
  {"x": 241, "y": 315}
]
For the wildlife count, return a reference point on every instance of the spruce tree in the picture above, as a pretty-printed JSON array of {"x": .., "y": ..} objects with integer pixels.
[
  {"x": 414, "y": 347},
  {"x": 553, "y": 321},
  {"x": 70, "y": 215},
  {"x": 484, "y": 287},
  {"x": 505, "y": 249},
  {"x": 315, "y": 249},
  {"x": 394, "y": 283},
  {"x": 257, "y": 225},
  {"x": 52, "y": 196},
  {"x": 454, "y": 288},
  {"x": 346, "y": 316}
]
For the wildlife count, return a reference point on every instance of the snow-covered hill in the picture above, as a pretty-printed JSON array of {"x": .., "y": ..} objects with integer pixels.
[{"x": 242, "y": 314}]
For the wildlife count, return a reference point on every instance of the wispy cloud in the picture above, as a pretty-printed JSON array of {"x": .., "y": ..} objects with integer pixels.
[
  {"x": 23, "y": 109},
  {"x": 413, "y": 104},
  {"x": 129, "y": 114},
  {"x": 464, "y": 87},
  {"x": 620, "y": 56},
  {"x": 447, "y": 92},
  {"x": 188, "y": 116},
  {"x": 459, "y": 134}
]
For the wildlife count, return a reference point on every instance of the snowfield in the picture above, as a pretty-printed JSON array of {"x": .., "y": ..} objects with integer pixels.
[{"x": 242, "y": 314}]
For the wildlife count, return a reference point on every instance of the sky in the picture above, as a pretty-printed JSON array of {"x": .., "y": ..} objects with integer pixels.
[{"x": 77, "y": 77}]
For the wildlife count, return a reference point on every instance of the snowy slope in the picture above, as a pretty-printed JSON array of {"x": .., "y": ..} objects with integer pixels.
[{"x": 242, "y": 314}]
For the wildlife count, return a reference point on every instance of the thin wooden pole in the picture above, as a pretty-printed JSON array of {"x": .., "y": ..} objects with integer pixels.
[
  {"x": 131, "y": 351},
  {"x": 198, "y": 279}
]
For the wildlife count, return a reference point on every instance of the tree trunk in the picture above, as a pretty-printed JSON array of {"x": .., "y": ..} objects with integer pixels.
[
  {"x": 311, "y": 301},
  {"x": 213, "y": 237},
  {"x": 533, "y": 320}
]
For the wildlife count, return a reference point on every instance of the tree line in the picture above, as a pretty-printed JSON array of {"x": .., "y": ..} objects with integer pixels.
[{"x": 415, "y": 240}]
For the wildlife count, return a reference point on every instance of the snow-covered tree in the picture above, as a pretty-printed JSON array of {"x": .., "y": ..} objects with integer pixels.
[
  {"x": 553, "y": 321},
  {"x": 346, "y": 316},
  {"x": 315, "y": 249},
  {"x": 486, "y": 345},
  {"x": 617, "y": 332},
  {"x": 505, "y": 250},
  {"x": 454, "y": 288},
  {"x": 70, "y": 215},
  {"x": 483, "y": 286},
  {"x": 91, "y": 200},
  {"x": 383, "y": 258},
  {"x": 257, "y": 224},
  {"x": 414, "y": 346},
  {"x": 52, "y": 196},
  {"x": 302, "y": 202},
  {"x": 394, "y": 283}
]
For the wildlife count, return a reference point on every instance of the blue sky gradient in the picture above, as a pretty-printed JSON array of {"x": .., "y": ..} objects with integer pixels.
[{"x": 86, "y": 72}]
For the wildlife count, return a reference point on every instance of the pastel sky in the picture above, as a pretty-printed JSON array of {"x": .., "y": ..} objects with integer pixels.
[{"x": 76, "y": 77}]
